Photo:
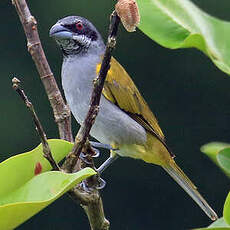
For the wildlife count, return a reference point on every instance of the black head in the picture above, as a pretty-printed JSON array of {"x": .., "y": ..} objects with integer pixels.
[{"x": 76, "y": 35}]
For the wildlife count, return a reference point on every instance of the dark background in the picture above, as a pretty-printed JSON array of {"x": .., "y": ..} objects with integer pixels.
[{"x": 188, "y": 94}]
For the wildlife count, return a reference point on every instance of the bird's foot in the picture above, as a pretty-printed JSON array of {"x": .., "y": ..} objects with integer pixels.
[
  {"x": 96, "y": 152},
  {"x": 84, "y": 158},
  {"x": 99, "y": 184},
  {"x": 95, "y": 146},
  {"x": 84, "y": 186}
]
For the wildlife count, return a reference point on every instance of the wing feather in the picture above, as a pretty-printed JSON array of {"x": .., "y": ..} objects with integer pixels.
[{"x": 119, "y": 85}]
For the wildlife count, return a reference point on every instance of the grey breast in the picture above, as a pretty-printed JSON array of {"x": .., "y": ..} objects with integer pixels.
[{"x": 112, "y": 125}]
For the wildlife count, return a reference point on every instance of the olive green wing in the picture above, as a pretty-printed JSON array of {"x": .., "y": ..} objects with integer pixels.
[{"x": 121, "y": 90}]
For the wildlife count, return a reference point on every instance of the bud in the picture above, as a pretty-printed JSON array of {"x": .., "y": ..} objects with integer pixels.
[{"x": 128, "y": 12}]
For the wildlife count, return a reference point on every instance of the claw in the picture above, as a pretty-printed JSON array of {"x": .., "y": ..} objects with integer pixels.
[
  {"x": 97, "y": 153},
  {"x": 83, "y": 157},
  {"x": 85, "y": 187},
  {"x": 101, "y": 183}
]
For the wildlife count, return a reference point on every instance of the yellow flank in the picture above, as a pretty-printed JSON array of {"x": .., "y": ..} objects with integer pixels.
[
  {"x": 121, "y": 90},
  {"x": 153, "y": 151},
  {"x": 156, "y": 152}
]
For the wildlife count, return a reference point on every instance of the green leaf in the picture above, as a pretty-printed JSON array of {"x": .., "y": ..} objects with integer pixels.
[
  {"x": 17, "y": 170},
  {"x": 223, "y": 158},
  {"x": 180, "y": 24},
  {"x": 213, "y": 148},
  {"x": 219, "y": 153},
  {"x": 21, "y": 204},
  {"x": 218, "y": 228},
  {"x": 226, "y": 211},
  {"x": 219, "y": 223}
]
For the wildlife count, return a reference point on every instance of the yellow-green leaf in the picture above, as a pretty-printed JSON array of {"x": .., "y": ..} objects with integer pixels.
[
  {"x": 181, "y": 24},
  {"x": 17, "y": 170},
  {"x": 219, "y": 224},
  {"x": 21, "y": 204},
  {"x": 219, "y": 154},
  {"x": 223, "y": 159},
  {"x": 213, "y": 148},
  {"x": 226, "y": 212}
]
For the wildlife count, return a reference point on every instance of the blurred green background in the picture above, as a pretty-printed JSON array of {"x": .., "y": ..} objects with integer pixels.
[{"x": 188, "y": 94}]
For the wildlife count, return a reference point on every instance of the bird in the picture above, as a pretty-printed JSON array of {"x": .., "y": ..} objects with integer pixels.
[{"x": 125, "y": 120}]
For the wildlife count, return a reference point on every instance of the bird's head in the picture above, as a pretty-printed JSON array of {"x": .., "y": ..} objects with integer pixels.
[{"x": 76, "y": 35}]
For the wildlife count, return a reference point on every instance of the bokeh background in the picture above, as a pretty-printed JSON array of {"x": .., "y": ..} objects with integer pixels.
[{"x": 188, "y": 94}]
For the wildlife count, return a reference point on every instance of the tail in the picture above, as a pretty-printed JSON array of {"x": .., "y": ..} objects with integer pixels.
[{"x": 179, "y": 176}]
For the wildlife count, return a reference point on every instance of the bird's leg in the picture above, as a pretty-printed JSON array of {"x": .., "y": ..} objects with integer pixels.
[
  {"x": 95, "y": 146},
  {"x": 98, "y": 181},
  {"x": 96, "y": 151},
  {"x": 101, "y": 145},
  {"x": 107, "y": 163}
]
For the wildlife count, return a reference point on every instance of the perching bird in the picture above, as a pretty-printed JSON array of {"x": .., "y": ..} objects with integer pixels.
[{"x": 124, "y": 121}]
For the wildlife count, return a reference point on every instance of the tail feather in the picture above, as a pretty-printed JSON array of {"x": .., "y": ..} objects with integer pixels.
[{"x": 179, "y": 176}]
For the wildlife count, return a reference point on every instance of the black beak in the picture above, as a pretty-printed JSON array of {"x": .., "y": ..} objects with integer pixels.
[{"x": 60, "y": 32}]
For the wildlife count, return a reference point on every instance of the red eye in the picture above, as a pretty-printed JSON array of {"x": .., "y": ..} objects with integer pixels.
[{"x": 79, "y": 25}]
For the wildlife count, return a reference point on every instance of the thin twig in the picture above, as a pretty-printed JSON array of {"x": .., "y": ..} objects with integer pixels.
[
  {"x": 60, "y": 109},
  {"x": 84, "y": 131},
  {"x": 37, "y": 123},
  {"x": 91, "y": 202}
]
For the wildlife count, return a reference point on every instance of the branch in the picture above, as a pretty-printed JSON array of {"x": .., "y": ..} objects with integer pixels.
[
  {"x": 91, "y": 202},
  {"x": 75, "y": 194},
  {"x": 60, "y": 109},
  {"x": 37, "y": 123},
  {"x": 84, "y": 131},
  {"x": 95, "y": 212},
  {"x": 93, "y": 206}
]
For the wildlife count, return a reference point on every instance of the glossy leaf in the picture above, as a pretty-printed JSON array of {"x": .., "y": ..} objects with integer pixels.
[
  {"x": 213, "y": 148},
  {"x": 17, "y": 170},
  {"x": 223, "y": 158},
  {"x": 219, "y": 223},
  {"x": 217, "y": 228},
  {"x": 21, "y": 204},
  {"x": 227, "y": 209},
  {"x": 181, "y": 24}
]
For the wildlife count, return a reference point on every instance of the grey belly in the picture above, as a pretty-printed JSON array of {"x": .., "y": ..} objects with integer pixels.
[{"x": 112, "y": 125}]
